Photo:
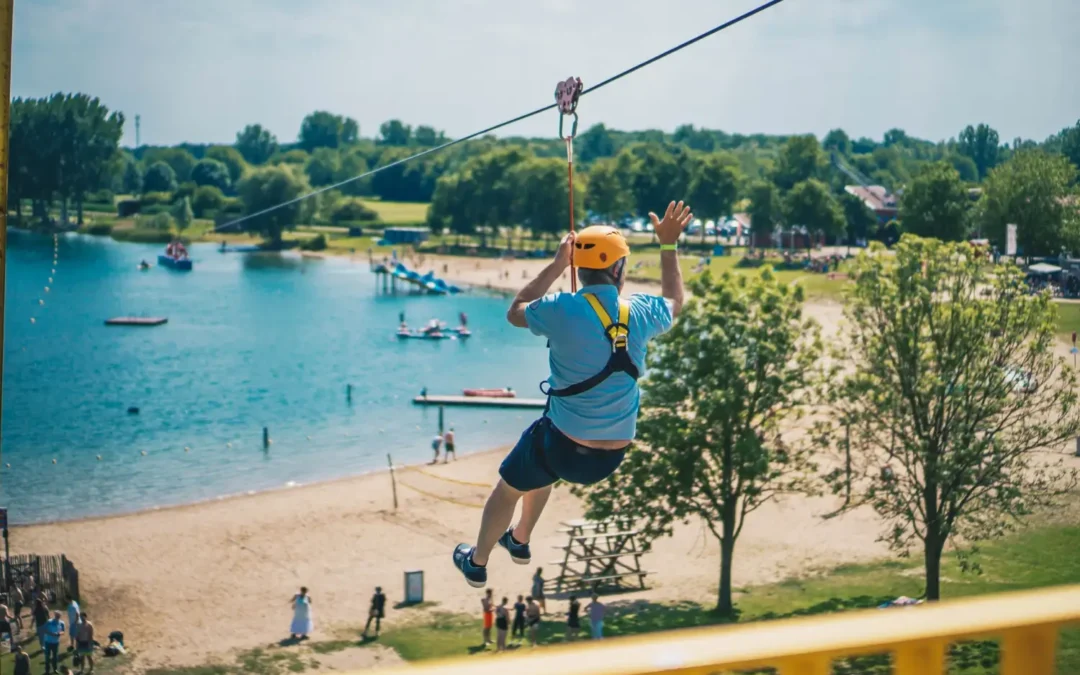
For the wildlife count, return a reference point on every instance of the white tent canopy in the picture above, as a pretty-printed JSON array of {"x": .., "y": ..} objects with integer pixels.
[{"x": 1044, "y": 268}]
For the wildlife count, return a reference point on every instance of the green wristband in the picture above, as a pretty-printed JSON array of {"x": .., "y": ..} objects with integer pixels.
[{"x": 669, "y": 247}]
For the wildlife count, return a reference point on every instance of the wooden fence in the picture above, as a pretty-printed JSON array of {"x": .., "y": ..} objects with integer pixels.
[{"x": 53, "y": 573}]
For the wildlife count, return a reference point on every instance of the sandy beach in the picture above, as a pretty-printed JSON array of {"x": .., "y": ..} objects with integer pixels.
[{"x": 198, "y": 583}]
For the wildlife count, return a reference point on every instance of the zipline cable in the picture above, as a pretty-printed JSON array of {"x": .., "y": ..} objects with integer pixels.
[{"x": 495, "y": 127}]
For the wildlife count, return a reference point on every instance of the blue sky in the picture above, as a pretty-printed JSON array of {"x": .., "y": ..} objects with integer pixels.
[{"x": 199, "y": 70}]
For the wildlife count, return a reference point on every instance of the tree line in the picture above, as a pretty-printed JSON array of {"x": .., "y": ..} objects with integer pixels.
[
  {"x": 65, "y": 150},
  {"x": 939, "y": 408}
]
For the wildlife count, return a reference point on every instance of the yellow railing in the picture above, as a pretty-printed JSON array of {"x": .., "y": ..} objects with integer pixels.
[{"x": 918, "y": 637}]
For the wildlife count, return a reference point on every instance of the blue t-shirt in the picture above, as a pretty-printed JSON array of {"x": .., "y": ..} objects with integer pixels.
[{"x": 579, "y": 350}]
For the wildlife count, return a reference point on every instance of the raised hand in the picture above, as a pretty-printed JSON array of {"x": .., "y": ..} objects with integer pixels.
[
  {"x": 675, "y": 221},
  {"x": 566, "y": 248}
]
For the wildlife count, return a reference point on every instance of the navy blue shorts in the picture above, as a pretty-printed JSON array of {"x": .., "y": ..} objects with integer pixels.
[{"x": 544, "y": 455}]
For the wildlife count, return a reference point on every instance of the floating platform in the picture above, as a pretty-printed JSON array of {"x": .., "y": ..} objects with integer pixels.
[
  {"x": 481, "y": 401},
  {"x": 136, "y": 321}
]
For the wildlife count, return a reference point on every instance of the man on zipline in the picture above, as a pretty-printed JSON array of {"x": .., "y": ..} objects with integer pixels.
[{"x": 597, "y": 346}]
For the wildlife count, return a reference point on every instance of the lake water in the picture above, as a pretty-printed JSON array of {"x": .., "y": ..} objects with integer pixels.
[{"x": 252, "y": 340}]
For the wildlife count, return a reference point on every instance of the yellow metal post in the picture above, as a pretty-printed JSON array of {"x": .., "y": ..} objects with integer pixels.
[
  {"x": 1029, "y": 651},
  {"x": 7, "y": 8},
  {"x": 920, "y": 658}
]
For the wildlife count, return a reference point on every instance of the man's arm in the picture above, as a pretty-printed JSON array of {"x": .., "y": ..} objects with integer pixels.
[
  {"x": 668, "y": 232},
  {"x": 538, "y": 287},
  {"x": 671, "y": 283}
]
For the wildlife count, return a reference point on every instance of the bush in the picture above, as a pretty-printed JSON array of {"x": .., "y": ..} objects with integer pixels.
[
  {"x": 162, "y": 222},
  {"x": 185, "y": 190},
  {"x": 317, "y": 243},
  {"x": 206, "y": 198},
  {"x": 100, "y": 197},
  {"x": 157, "y": 199},
  {"x": 352, "y": 211}
]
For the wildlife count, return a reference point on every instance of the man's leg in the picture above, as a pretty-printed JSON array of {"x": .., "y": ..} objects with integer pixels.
[
  {"x": 368, "y": 624},
  {"x": 532, "y": 505},
  {"x": 498, "y": 512}
]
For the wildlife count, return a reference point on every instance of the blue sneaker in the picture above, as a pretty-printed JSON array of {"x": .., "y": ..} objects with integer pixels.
[
  {"x": 474, "y": 574},
  {"x": 519, "y": 553}
]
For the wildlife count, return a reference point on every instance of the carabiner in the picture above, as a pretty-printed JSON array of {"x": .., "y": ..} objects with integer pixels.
[{"x": 567, "y": 94}]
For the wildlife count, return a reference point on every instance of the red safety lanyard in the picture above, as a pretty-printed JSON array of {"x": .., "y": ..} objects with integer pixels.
[{"x": 566, "y": 97}]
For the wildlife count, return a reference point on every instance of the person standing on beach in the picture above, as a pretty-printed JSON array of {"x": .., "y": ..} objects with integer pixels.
[
  {"x": 18, "y": 601},
  {"x": 502, "y": 625},
  {"x": 6, "y": 628},
  {"x": 597, "y": 345},
  {"x": 448, "y": 440},
  {"x": 538, "y": 588},
  {"x": 596, "y": 611},
  {"x": 73, "y": 622},
  {"x": 84, "y": 644},
  {"x": 22, "y": 661},
  {"x": 532, "y": 619},
  {"x": 40, "y": 616},
  {"x": 54, "y": 632},
  {"x": 302, "y": 623},
  {"x": 376, "y": 611},
  {"x": 573, "y": 623},
  {"x": 487, "y": 603},
  {"x": 436, "y": 443},
  {"x": 518, "y": 629}
]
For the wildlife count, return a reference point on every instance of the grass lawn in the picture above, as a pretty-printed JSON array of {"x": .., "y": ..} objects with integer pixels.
[
  {"x": 1068, "y": 318},
  {"x": 814, "y": 284},
  {"x": 394, "y": 213},
  {"x": 1037, "y": 557}
]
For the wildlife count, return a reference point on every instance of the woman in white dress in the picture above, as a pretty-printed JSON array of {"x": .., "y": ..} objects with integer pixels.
[{"x": 302, "y": 624}]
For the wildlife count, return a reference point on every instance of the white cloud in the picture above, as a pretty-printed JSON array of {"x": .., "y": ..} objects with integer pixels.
[{"x": 199, "y": 70}]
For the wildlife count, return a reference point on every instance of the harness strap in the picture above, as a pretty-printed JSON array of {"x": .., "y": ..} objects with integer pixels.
[{"x": 618, "y": 334}]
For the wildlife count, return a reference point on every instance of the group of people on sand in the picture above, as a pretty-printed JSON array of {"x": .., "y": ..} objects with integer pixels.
[
  {"x": 303, "y": 622},
  {"x": 527, "y": 612},
  {"x": 50, "y": 630},
  {"x": 446, "y": 438}
]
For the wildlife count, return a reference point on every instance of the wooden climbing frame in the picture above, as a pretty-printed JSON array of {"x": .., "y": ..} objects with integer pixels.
[{"x": 601, "y": 556}]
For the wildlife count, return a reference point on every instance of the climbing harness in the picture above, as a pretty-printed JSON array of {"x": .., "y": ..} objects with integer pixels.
[
  {"x": 567, "y": 94},
  {"x": 618, "y": 334}
]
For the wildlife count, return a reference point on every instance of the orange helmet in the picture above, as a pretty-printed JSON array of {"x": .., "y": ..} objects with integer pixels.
[{"x": 598, "y": 247}]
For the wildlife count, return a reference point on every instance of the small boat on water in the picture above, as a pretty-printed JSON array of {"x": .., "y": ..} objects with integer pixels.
[
  {"x": 175, "y": 257},
  {"x": 505, "y": 392},
  {"x": 421, "y": 335}
]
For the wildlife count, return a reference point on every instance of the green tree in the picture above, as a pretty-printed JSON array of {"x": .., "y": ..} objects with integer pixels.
[
  {"x": 211, "y": 172},
  {"x": 491, "y": 196},
  {"x": 766, "y": 209},
  {"x": 231, "y": 158},
  {"x": 735, "y": 367},
  {"x": 714, "y": 189},
  {"x": 965, "y": 166},
  {"x": 454, "y": 192},
  {"x": 800, "y": 159},
  {"x": 594, "y": 143},
  {"x": 657, "y": 173},
  {"x": 182, "y": 213},
  {"x": 270, "y": 186},
  {"x": 540, "y": 201},
  {"x": 394, "y": 132},
  {"x": 353, "y": 164},
  {"x": 811, "y": 205},
  {"x": 407, "y": 182},
  {"x": 1069, "y": 142},
  {"x": 982, "y": 145},
  {"x": 936, "y": 204},
  {"x": 838, "y": 141},
  {"x": 607, "y": 195},
  {"x": 132, "y": 182},
  {"x": 427, "y": 137},
  {"x": 181, "y": 161},
  {"x": 859, "y": 218},
  {"x": 952, "y": 394},
  {"x": 323, "y": 166},
  {"x": 160, "y": 177},
  {"x": 701, "y": 140},
  {"x": 1030, "y": 191},
  {"x": 322, "y": 129},
  {"x": 256, "y": 144},
  {"x": 206, "y": 201}
]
